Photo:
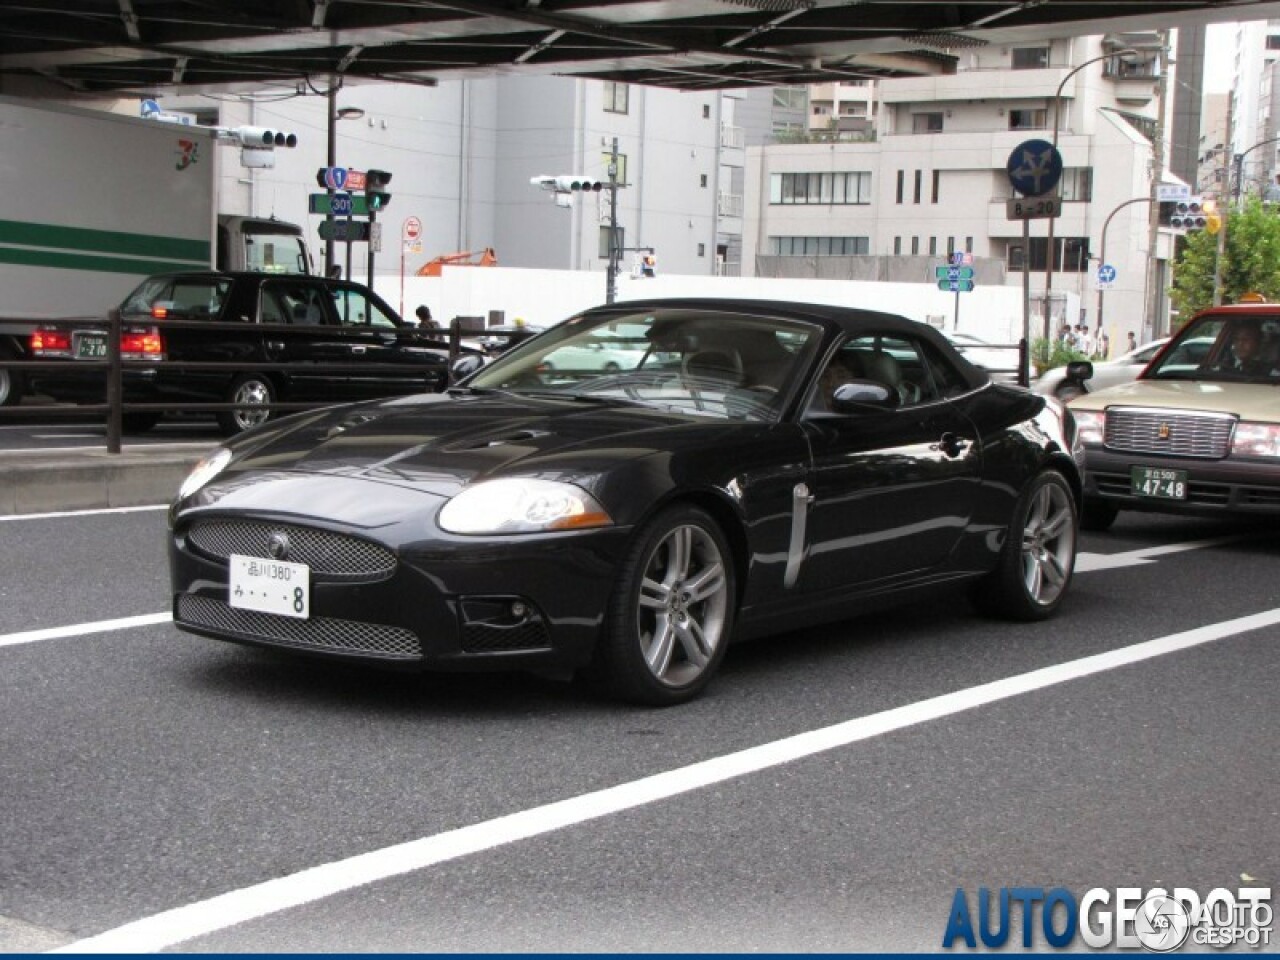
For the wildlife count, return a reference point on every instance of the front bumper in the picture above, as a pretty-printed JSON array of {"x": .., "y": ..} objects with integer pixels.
[
  {"x": 529, "y": 602},
  {"x": 1214, "y": 487}
]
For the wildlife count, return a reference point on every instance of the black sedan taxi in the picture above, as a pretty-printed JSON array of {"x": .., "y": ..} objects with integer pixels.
[
  {"x": 753, "y": 467},
  {"x": 334, "y": 341},
  {"x": 1198, "y": 432}
]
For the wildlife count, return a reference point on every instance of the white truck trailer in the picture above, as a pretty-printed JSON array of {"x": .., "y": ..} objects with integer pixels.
[{"x": 93, "y": 202}]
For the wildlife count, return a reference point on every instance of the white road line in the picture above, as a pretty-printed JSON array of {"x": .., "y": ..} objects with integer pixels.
[
  {"x": 273, "y": 896},
  {"x": 82, "y": 513},
  {"x": 1090, "y": 562},
  {"x": 79, "y": 629}
]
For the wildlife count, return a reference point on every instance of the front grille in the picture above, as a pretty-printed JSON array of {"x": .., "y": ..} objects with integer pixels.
[
  {"x": 1144, "y": 430},
  {"x": 317, "y": 633},
  {"x": 328, "y": 554}
]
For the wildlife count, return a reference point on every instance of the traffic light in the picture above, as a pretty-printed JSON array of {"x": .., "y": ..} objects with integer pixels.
[
  {"x": 375, "y": 189},
  {"x": 1188, "y": 214},
  {"x": 263, "y": 138},
  {"x": 577, "y": 182},
  {"x": 1213, "y": 219}
]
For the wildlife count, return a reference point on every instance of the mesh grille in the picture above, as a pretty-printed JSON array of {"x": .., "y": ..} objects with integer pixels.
[
  {"x": 1206, "y": 435},
  {"x": 327, "y": 554},
  {"x": 320, "y": 633},
  {"x": 484, "y": 637}
]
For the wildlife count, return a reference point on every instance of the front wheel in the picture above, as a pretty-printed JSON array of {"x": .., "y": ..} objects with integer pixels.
[
  {"x": 11, "y": 381},
  {"x": 256, "y": 392},
  {"x": 1038, "y": 556},
  {"x": 671, "y": 613}
]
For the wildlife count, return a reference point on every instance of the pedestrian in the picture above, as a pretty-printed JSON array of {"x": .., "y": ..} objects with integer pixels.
[
  {"x": 1103, "y": 349},
  {"x": 1084, "y": 341},
  {"x": 1133, "y": 342},
  {"x": 424, "y": 318}
]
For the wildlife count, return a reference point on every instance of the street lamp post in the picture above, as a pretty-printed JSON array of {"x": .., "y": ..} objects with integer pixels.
[
  {"x": 1057, "y": 116},
  {"x": 335, "y": 113},
  {"x": 1239, "y": 172},
  {"x": 1102, "y": 256}
]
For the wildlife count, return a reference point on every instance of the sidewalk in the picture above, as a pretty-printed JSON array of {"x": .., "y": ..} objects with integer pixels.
[{"x": 55, "y": 480}]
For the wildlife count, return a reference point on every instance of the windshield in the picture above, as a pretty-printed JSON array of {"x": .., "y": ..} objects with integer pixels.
[
  {"x": 697, "y": 361},
  {"x": 1223, "y": 348}
]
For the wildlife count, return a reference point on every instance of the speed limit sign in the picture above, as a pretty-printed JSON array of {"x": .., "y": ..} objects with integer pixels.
[{"x": 412, "y": 229}]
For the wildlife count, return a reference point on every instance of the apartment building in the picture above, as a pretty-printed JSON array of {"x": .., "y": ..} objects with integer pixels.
[{"x": 935, "y": 180}]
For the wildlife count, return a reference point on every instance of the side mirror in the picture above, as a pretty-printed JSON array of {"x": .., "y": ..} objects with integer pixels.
[
  {"x": 857, "y": 395},
  {"x": 464, "y": 366},
  {"x": 1079, "y": 370}
]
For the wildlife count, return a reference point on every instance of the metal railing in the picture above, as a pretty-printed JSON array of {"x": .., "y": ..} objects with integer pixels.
[{"x": 113, "y": 367}]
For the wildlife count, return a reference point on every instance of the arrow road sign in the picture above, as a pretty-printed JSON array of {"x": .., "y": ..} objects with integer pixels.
[
  {"x": 956, "y": 286},
  {"x": 1034, "y": 167},
  {"x": 345, "y": 231},
  {"x": 1106, "y": 276}
]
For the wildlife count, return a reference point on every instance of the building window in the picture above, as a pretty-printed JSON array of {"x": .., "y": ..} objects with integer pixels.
[
  {"x": 1029, "y": 58},
  {"x": 794, "y": 98},
  {"x": 933, "y": 246},
  {"x": 706, "y": 111},
  {"x": 968, "y": 244},
  {"x": 937, "y": 184},
  {"x": 926, "y": 123},
  {"x": 1070, "y": 254},
  {"x": 951, "y": 245},
  {"x": 1273, "y": 42},
  {"x": 915, "y": 246},
  {"x": 615, "y": 97},
  {"x": 820, "y": 246},
  {"x": 1027, "y": 119},
  {"x": 702, "y": 180},
  {"x": 702, "y": 249},
  {"x": 919, "y": 184},
  {"x": 844, "y": 187},
  {"x": 902, "y": 174},
  {"x": 1077, "y": 184},
  {"x": 897, "y": 246},
  {"x": 604, "y": 241}
]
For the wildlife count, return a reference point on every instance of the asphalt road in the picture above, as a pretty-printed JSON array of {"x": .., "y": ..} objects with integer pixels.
[
  {"x": 146, "y": 771},
  {"x": 21, "y": 431}
]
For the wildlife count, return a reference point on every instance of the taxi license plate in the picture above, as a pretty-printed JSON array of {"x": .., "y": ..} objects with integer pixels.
[
  {"x": 1159, "y": 484},
  {"x": 270, "y": 586},
  {"x": 91, "y": 347}
]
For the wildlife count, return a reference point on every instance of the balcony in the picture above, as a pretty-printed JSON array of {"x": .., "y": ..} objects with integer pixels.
[
  {"x": 732, "y": 138},
  {"x": 729, "y": 205}
]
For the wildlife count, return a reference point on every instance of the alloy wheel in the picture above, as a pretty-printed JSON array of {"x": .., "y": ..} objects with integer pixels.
[{"x": 1048, "y": 544}]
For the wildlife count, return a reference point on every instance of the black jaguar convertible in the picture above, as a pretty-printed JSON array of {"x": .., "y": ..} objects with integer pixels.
[{"x": 742, "y": 468}]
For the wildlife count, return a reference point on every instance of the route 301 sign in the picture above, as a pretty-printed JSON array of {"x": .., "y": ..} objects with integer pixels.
[{"x": 1033, "y": 208}]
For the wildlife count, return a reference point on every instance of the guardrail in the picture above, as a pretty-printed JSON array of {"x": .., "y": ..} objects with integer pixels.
[{"x": 113, "y": 366}]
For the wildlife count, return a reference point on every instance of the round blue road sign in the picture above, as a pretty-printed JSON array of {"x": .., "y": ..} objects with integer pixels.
[{"x": 1035, "y": 167}]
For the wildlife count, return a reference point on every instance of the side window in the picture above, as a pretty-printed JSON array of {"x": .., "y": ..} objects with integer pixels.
[
  {"x": 298, "y": 303},
  {"x": 897, "y": 362},
  {"x": 356, "y": 309},
  {"x": 944, "y": 379}
]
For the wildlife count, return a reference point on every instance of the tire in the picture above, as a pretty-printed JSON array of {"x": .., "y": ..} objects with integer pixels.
[
  {"x": 1098, "y": 515},
  {"x": 12, "y": 383},
  {"x": 671, "y": 614},
  {"x": 255, "y": 390},
  {"x": 1038, "y": 556},
  {"x": 138, "y": 422}
]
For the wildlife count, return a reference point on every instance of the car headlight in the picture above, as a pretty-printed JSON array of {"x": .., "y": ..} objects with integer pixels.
[
  {"x": 204, "y": 471},
  {"x": 522, "y": 505},
  {"x": 1256, "y": 440},
  {"x": 1091, "y": 425}
]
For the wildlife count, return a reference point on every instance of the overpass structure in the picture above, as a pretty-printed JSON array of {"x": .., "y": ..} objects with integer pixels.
[{"x": 83, "y": 48}]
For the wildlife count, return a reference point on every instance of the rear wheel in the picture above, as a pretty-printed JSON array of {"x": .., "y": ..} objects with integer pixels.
[
  {"x": 1038, "y": 556},
  {"x": 1098, "y": 515},
  {"x": 11, "y": 381},
  {"x": 671, "y": 613},
  {"x": 256, "y": 392}
]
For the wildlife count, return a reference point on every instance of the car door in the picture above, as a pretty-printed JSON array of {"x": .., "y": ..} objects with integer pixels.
[
  {"x": 397, "y": 354},
  {"x": 891, "y": 489},
  {"x": 301, "y": 329}
]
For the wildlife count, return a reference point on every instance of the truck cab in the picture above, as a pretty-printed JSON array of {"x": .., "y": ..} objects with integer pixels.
[{"x": 258, "y": 245}]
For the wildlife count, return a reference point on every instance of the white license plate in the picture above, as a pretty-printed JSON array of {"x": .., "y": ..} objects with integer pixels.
[{"x": 270, "y": 586}]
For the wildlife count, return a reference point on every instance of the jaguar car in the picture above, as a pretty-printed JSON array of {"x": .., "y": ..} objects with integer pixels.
[
  {"x": 750, "y": 468},
  {"x": 1198, "y": 432}
]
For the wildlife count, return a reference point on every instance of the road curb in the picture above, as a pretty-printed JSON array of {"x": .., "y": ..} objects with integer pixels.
[{"x": 87, "y": 480}]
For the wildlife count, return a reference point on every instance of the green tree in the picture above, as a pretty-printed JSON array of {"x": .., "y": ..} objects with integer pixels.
[{"x": 1250, "y": 263}]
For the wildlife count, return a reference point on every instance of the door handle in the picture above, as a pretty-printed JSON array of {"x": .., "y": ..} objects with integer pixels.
[
  {"x": 275, "y": 344},
  {"x": 952, "y": 445},
  {"x": 358, "y": 348}
]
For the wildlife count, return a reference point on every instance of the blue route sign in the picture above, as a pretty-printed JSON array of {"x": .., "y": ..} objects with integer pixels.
[
  {"x": 1106, "y": 275},
  {"x": 1034, "y": 168},
  {"x": 953, "y": 273},
  {"x": 956, "y": 286}
]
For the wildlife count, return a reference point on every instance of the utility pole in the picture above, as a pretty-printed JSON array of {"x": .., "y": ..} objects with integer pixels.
[
  {"x": 1224, "y": 207},
  {"x": 1151, "y": 315},
  {"x": 611, "y": 284}
]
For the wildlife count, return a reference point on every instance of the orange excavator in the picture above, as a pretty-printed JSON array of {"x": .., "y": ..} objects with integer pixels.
[{"x": 487, "y": 258}]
